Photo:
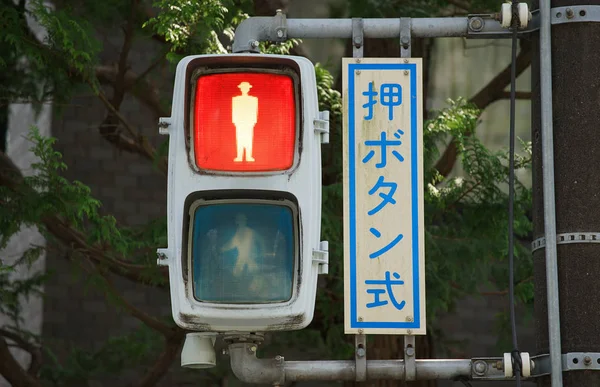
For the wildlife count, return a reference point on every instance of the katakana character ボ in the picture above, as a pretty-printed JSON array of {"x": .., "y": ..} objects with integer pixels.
[{"x": 383, "y": 143}]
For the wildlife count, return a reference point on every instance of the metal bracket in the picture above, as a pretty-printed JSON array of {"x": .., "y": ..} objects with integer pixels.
[
  {"x": 162, "y": 257},
  {"x": 358, "y": 41},
  {"x": 321, "y": 126},
  {"x": 280, "y": 22},
  {"x": 405, "y": 39},
  {"x": 567, "y": 238},
  {"x": 572, "y": 361},
  {"x": 360, "y": 356},
  {"x": 575, "y": 14},
  {"x": 477, "y": 28},
  {"x": 164, "y": 123},
  {"x": 410, "y": 365},
  {"x": 321, "y": 257}
]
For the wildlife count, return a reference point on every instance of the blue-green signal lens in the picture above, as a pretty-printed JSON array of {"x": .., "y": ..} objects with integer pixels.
[{"x": 243, "y": 253}]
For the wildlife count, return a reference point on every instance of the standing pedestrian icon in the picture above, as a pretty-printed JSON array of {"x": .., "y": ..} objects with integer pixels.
[{"x": 244, "y": 114}]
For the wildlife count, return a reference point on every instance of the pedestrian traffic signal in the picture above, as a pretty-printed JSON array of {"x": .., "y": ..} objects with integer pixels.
[{"x": 244, "y": 193}]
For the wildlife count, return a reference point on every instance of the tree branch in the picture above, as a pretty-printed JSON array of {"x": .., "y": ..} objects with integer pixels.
[
  {"x": 11, "y": 177},
  {"x": 492, "y": 92},
  {"x": 34, "y": 350},
  {"x": 518, "y": 95},
  {"x": 163, "y": 363},
  {"x": 150, "y": 321},
  {"x": 12, "y": 371}
]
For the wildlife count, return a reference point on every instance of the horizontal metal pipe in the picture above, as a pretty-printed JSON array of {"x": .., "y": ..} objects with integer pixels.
[
  {"x": 376, "y": 369},
  {"x": 256, "y": 29},
  {"x": 248, "y": 368}
]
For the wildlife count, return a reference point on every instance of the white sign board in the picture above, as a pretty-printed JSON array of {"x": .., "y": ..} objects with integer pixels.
[{"x": 384, "y": 263}]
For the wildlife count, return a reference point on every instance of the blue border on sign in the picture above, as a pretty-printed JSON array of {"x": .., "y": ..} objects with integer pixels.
[{"x": 354, "y": 323}]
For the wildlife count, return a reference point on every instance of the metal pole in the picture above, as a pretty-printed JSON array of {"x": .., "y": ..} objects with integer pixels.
[
  {"x": 549, "y": 199},
  {"x": 278, "y": 28}
]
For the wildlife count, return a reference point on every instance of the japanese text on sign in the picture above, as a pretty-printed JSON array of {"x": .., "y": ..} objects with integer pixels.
[{"x": 383, "y": 192}]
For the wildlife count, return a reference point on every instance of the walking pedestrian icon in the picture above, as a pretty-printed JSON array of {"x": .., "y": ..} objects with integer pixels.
[{"x": 244, "y": 114}]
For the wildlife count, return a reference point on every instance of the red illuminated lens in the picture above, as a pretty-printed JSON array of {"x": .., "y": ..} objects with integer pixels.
[{"x": 244, "y": 122}]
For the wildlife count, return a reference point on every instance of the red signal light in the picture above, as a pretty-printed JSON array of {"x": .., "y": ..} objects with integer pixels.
[{"x": 244, "y": 122}]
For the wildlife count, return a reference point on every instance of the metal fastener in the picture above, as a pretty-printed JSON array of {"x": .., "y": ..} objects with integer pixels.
[
  {"x": 409, "y": 318},
  {"x": 280, "y": 33},
  {"x": 279, "y": 358},
  {"x": 357, "y": 72},
  {"x": 570, "y": 13},
  {"x": 405, "y": 40},
  {"x": 360, "y": 319},
  {"x": 587, "y": 360},
  {"x": 405, "y": 60},
  {"x": 410, "y": 351},
  {"x": 480, "y": 367},
  {"x": 253, "y": 348},
  {"x": 499, "y": 365},
  {"x": 254, "y": 43},
  {"x": 409, "y": 331},
  {"x": 357, "y": 41},
  {"x": 476, "y": 24},
  {"x": 360, "y": 331},
  {"x": 405, "y": 72},
  {"x": 360, "y": 352}
]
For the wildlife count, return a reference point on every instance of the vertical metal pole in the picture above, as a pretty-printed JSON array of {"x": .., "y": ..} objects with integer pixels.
[{"x": 549, "y": 199}]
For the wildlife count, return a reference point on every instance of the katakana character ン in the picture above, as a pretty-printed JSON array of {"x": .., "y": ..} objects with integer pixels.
[
  {"x": 387, "y": 197},
  {"x": 387, "y": 248},
  {"x": 370, "y": 94},
  {"x": 391, "y": 96},
  {"x": 388, "y": 282},
  {"x": 383, "y": 143}
]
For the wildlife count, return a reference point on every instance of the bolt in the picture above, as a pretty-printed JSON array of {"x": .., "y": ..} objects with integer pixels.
[
  {"x": 499, "y": 365},
  {"x": 570, "y": 13},
  {"x": 409, "y": 331},
  {"x": 357, "y": 41},
  {"x": 280, "y": 33},
  {"x": 405, "y": 60},
  {"x": 357, "y": 60},
  {"x": 406, "y": 73},
  {"x": 357, "y": 72},
  {"x": 410, "y": 351},
  {"x": 476, "y": 24},
  {"x": 405, "y": 40},
  {"x": 408, "y": 318},
  {"x": 480, "y": 367},
  {"x": 360, "y": 331},
  {"x": 360, "y": 319},
  {"x": 254, "y": 43},
  {"x": 587, "y": 360},
  {"x": 162, "y": 256},
  {"x": 278, "y": 358},
  {"x": 360, "y": 352},
  {"x": 278, "y": 11},
  {"x": 163, "y": 124},
  {"x": 253, "y": 348}
]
